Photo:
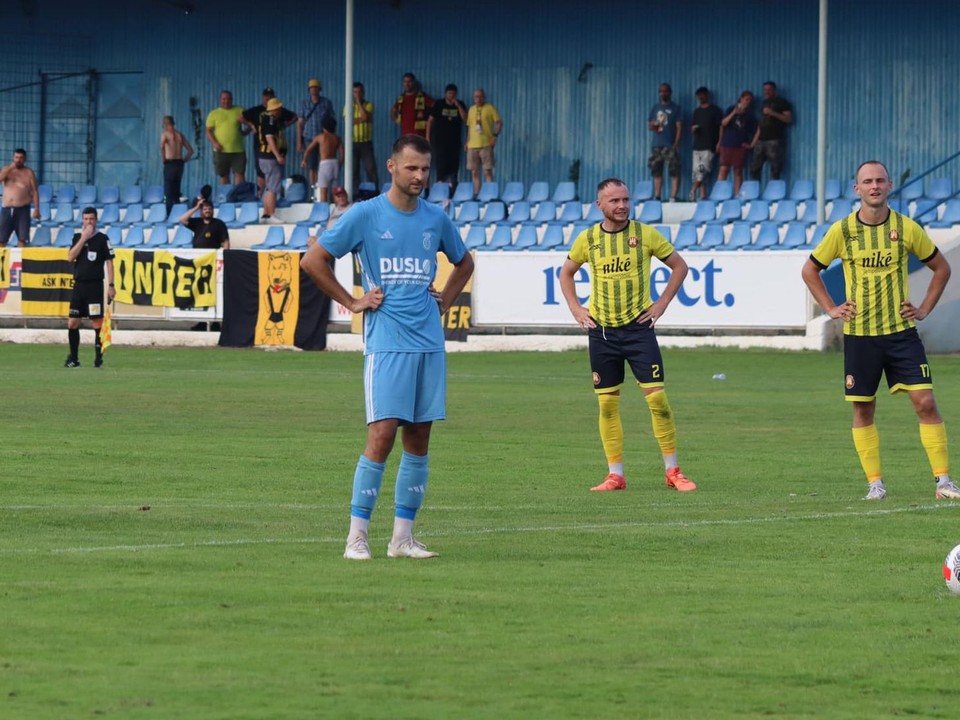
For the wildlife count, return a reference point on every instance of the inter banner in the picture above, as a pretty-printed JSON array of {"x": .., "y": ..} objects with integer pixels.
[
  {"x": 46, "y": 282},
  {"x": 163, "y": 279},
  {"x": 268, "y": 300},
  {"x": 4, "y": 268}
]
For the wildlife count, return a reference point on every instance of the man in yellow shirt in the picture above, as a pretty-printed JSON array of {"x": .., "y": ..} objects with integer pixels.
[
  {"x": 223, "y": 132},
  {"x": 483, "y": 128}
]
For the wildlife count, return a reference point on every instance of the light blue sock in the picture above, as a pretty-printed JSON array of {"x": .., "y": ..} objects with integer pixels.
[
  {"x": 366, "y": 487},
  {"x": 411, "y": 485}
]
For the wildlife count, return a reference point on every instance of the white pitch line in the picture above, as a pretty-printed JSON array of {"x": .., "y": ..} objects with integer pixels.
[{"x": 592, "y": 527}]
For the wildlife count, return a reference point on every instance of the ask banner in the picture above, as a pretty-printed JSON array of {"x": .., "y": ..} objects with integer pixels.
[
  {"x": 46, "y": 282},
  {"x": 268, "y": 300},
  {"x": 163, "y": 279}
]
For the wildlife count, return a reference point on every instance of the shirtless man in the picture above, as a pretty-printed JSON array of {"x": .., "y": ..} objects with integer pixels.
[
  {"x": 19, "y": 190},
  {"x": 172, "y": 146},
  {"x": 331, "y": 157}
]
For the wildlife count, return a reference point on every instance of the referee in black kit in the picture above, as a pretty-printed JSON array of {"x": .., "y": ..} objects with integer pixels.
[{"x": 91, "y": 254}]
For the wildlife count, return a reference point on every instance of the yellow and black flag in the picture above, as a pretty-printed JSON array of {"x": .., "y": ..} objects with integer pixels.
[
  {"x": 166, "y": 280},
  {"x": 46, "y": 282},
  {"x": 268, "y": 300}
]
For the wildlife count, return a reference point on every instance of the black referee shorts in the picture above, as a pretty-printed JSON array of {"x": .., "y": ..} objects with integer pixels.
[
  {"x": 611, "y": 347},
  {"x": 87, "y": 299}
]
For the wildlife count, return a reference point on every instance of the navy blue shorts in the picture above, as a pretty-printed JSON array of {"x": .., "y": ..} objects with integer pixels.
[
  {"x": 635, "y": 344},
  {"x": 900, "y": 356}
]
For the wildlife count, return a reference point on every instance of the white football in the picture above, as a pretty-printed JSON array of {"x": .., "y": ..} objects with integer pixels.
[{"x": 951, "y": 570}]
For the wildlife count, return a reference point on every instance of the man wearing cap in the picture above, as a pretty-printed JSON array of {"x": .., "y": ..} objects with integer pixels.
[
  {"x": 224, "y": 133},
  {"x": 271, "y": 156},
  {"x": 705, "y": 127},
  {"x": 341, "y": 203},
  {"x": 209, "y": 233},
  {"x": 252, "y": 118},
  {"x": 445, "y": 135},
  {"x": 312, "y": 112}
]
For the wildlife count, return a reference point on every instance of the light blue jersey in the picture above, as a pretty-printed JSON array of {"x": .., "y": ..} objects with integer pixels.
[{"x": 398, "y": 253}]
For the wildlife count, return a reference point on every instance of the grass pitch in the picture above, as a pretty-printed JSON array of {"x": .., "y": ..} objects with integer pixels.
[{"x": 171, "y": 531}]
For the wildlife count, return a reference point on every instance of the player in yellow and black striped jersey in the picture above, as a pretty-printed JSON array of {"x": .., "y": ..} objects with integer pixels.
[
  {"x": 620, "y": 323},
  {"x": 880, "y": 335}
]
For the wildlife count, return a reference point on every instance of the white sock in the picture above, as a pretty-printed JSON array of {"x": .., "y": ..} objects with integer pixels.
[
  {"x": 402, "y": 529},
  {"x": 616, "y": 468},
  {"x": 942, "y": 479},
  {"x": 670, "y": 462},
  {"x": 358, "y": 527}
]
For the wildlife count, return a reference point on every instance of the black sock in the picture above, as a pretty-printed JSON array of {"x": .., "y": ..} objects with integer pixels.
[
  {"x": 96, "y": 341},
  {"x": 73, "y": 335}
]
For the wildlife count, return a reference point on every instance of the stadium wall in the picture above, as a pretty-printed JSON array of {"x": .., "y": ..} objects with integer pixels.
[{"x": 573, "y": 81}]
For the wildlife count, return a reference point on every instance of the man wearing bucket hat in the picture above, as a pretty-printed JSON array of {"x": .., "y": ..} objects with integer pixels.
[{"x": 271, "y": 156}]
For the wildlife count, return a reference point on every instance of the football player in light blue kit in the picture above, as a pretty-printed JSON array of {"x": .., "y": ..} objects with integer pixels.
[{"x": 396, "y": 237}]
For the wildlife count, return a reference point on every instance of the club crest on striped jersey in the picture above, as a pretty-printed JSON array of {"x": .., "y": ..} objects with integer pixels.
[
  {"x": 596, "y": 378},
  {"x": 850, "y": 382},
  {"x": 894, "y": 236},
  {"x": 633, "y": 241}
]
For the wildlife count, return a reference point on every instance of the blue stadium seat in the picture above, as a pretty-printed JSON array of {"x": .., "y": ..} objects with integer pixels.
[
  {"x": 950, "y": 217},
  {"x": 489, "y": 191},
  {"x": 298, "y": 237},
  {"x": 651, "y": 212},
  {"x": 712, "y": 237},
  {"x": 741, "y": 235},
  {"x": 153, "y": 195},
  {"x": 730, "y": 211},
  {"x": 520, "y": 211},
  {"x": 110, "y": 215},
  {"x": 546, "y": 212},
  {"x": 572, "y": 211},
  {"x": 67, "y": 193},
  {"x": 87, "y": 196},
  {"x": 594, "y": 213},
  {"x": 220, "y": 193},
  {"x": 131, "y": 194},
  {"x": 795, "y": 236},
  {"x": 176, "y": 211},
  {"x": 759, "y": 211},
  {"x": 512, "y": 192},
  {"x": 439, "y": 192},
  {"x": 319, "y": 215},
  {"x": 501, "y": 238},
  {"x": 385, "y": 187},
  {"x": 578, "y": 227},
  {"x": 493, "y": 212},
  {"x": 785, "y": 212},
  {"x": 642, "y": 191},
  {"x": 552, "y": 237},
  {"x": 45, "y": 213},
  {"x": 109, "y": 195},
  {"x": 526, "y": 238},
  {"x": 722, "y": 190},
  {"x": 749, "y": 190},
  {"x": 663, "y": 230},
  {"x": 41, "y": 236},
  {"x": 62, "y": 213},
  {"x": 182, "y": 237},
  {"x": 463, "y": 193},
  {"x": 565, "y": 191},
  {"x": 156, "y": 214},
  {"x": 809, "y": 214},
  {"x": 159, "y": 236},
  {"x": 65, "y": 235},
  {"x": 296, "y": 193},
  {"x": 115, "y": 235},
  {"x": 802, "y": 189},
  {"x": 939, "y": 188},
  {"x": 818, "y": 232},
  {"x": 249, "y": 214},
  {"x": 705, "y": 211},
  {"x": 133, "y": 236},
  {"x": 899, "y": 205},
  {"x": 839, "y": 209},
  {"x": 538, "y": 192},
  {"x": 476, "y": 237},
  {"x": 468, "y": 212},
  {"x": 274, "y": 238},
  {"x": 910, "y": 191},
  {"x": 133, "y": 214},
  {"x": 768, "y": 236},
  {"x": 686, "y": 236},
  {"x": 848, "y": 192},
  {"x": 228, "y": 212},
  {"x": 831, "y": 189},
  {"x": 775, "y": 190},
  {"x": 926, "y": 210},
  {"x": 46, "y": 193}
]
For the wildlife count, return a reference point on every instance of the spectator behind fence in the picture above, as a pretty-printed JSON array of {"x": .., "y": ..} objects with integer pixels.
[
  {"x": 666, "y": 124},
  {"x": 175, "y": 150},
  {"x": 92, "y": 256},
  {"x": 363, "y": 139},
  {"x": 411, "y": 107},
  {"x": 313, "y": 110},
  {"x": 445, "y": 135},
  {"x": 770, "y": 141},
  {"x": 705, "y": 127},
  {"x": 224, "y": 133},
  {"x": 19, "y": 190},
  {"x": 330, "y": 149},
  {"x": 739, "y": 126},
  {"x": 483, "y": 128}
]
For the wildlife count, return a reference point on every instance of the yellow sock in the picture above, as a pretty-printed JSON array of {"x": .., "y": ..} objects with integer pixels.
[
  {"x": 867, "y": 442},
  {"x": 611, "y": 429},
  {"x": 934, "y": 441},
  {"x": 664, "y": 428}
]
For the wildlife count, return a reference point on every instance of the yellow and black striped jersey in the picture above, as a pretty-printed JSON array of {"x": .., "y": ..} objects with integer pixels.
[
  {"x": 620, "y": 269},
  {"x": 874, "y": 261}
]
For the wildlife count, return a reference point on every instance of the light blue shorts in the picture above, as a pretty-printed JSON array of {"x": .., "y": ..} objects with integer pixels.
[{"x": 409, "y": 387}]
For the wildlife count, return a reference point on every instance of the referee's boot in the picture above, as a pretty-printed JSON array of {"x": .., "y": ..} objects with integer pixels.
[
  {"x": 71, "y": 362},
  {"x": 98, "y": 360}
]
